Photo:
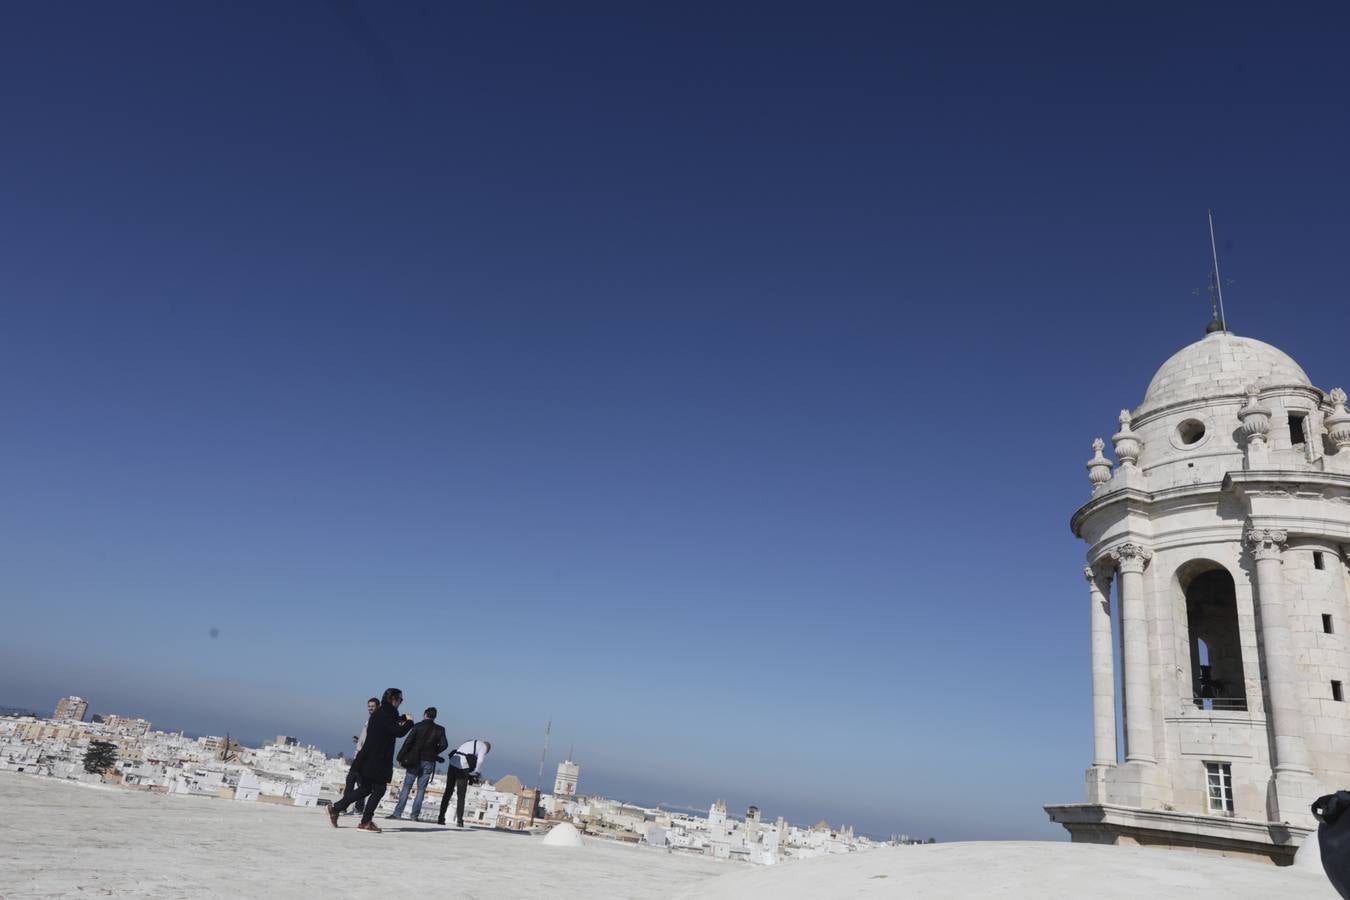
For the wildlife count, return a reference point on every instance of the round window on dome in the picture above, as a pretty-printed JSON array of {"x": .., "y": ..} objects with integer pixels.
[{"x": 1191, "y": 432}]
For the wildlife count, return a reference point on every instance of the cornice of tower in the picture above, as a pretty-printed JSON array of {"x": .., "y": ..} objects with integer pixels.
[{"x": 1140, "y": 500}]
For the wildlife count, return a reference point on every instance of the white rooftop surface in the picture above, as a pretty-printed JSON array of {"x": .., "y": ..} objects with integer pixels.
[
  {"x": 1020, "y": 869},
  {"x": 60, "y": 839}
]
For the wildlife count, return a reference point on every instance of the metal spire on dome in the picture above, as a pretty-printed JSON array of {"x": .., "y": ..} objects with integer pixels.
[
  {"x": 1219, "y": 322},
  {"x": 1215, "y": 323}
]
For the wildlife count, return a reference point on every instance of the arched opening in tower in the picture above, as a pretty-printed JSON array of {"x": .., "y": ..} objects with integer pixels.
[{"x": 1217, "y": 681}]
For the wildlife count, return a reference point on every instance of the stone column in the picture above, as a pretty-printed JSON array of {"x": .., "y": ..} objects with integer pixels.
[
  {"x": 1131, "y": 559},
  {"x": 1103, "y": 672},
  {"x": 1286, "y": 719}
]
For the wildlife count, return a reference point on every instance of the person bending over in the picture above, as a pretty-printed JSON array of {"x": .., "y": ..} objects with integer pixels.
[{"x": 464, "y": 768}]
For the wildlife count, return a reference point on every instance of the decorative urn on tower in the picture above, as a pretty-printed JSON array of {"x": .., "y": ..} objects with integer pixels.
[
  {"x": 1099, "y": 467},
  {"x": 1126, "y": 443}
]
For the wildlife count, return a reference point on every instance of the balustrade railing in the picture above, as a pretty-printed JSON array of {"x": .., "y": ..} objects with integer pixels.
[{"x": 1221, "y": 704}]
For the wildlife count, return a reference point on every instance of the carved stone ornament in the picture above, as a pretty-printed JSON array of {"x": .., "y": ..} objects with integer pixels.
[
  {"x": 1126, "y": 442},
  {"x": 1099, "y": 467},
  {"x": 1337, "y": 423},
  {"x": 1100, "y": 582},
  {"x": 1131, "y": 557},
  {"x": 1267, "y": 543},
  {"x": 1254, "y": 417}
]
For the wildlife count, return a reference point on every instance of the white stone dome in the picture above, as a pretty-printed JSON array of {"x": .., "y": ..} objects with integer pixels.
[
  {"x": 564, "y": 834},
  {"x": 1222, "y": 364}
]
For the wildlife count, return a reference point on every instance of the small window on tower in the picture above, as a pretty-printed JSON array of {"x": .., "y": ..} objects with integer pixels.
[
  {"x": 1318, "y": 561},
  {"x": 1296, "y": 429},
  {"x": 1326, "y": 623},
  {"x": 1336, "y": 692},
  {"x": 1219, "y": 781}
]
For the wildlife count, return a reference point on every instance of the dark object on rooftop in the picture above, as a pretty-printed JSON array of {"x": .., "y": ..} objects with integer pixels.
[{"x": 1333, "y": 838}]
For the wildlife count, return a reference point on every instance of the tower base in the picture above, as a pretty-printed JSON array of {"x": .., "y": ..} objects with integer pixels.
[
  {"x": 1099, "y": 823},
  {"x": 1293, "y": 794}
]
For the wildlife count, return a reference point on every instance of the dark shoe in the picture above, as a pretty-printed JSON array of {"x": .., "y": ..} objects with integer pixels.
[
  {"x": 333, "y": 815},
  {"x": 368, "y": 826},
  {"x": 459, "y": 822},
  {"x": 440, "y": 820},
  {"x": 392, "y": 816}
]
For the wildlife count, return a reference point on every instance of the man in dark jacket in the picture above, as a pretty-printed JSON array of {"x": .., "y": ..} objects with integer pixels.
[
  {"x": 353, "y": 776},
  {"x": 374, "y": 762},
  {"x": 422, "y": 749}
]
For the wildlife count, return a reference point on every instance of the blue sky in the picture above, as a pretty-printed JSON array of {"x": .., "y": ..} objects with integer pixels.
[{"x": 716, "y": 383}]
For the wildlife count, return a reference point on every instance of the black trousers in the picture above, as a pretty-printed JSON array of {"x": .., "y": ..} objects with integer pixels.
[
  {"x": 353, "y": 779},
  {"x": 455, "y": 780},
  {"x": 370, "y": 793}
]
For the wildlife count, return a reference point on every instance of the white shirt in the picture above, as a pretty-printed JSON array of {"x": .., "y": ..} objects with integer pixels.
[{"x": 458, "y": 760}]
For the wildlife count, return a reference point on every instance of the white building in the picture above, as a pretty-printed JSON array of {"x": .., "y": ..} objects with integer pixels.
[
  {"x": 489, "y": 804},
  {"x": 1217, "y": 565},
  {"x": 719, "y": 831},
  {"x": 752, "y": 826},
  {"x": 306, "y": 793},
  {"x": 124, "y": 725},
  {"x": 198, "y": 782},
  {"x": 565, "y": 785},
  {"x": 71, "y": 708},
  {"x": 249, "y": 787}
]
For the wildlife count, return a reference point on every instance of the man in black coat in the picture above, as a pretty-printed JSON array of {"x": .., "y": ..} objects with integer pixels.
[
  {"x": 421, "y": 750},
  {"x": 353, "y": 776},
  {"x": 374, "y": 762}
]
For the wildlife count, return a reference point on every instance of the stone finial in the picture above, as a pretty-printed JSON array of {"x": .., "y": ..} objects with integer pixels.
[
  {"x": 1254, "y": 417},
  {"x": 1126, "y": 443},
  {"x": 1337, "y": 423},
  {"x": 1099, "y": 467}
]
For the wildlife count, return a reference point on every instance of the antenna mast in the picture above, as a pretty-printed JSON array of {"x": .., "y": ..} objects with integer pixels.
[
  {"x": 547, "y": 730},
  {"x": 1218, "y": 281}
]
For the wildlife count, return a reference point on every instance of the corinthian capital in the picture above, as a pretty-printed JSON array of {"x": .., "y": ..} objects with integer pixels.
[
  {"x": 1099, "y": 582},
  {"x": 1131, "y": 557},
  {"x": 1266, "y": 543}
]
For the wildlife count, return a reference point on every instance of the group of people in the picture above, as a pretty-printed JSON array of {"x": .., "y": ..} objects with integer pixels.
[{"x": 373, "y": 767}]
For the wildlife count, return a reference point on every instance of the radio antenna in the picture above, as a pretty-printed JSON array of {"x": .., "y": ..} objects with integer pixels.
[
  {"x": 547, "y": 731},
  {"x": 1218, "y": 280}
]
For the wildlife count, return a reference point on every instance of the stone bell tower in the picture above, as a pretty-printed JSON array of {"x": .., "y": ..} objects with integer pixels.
[{"x": 1217, "y": 579}]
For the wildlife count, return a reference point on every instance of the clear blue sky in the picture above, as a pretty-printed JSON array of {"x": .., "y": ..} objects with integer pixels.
[{"x": 716, "y": 382}]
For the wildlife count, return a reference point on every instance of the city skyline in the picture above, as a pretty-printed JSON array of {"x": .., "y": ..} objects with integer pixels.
[
  {"x": 509, "y": 765},
  {"x": 155, "y": 760},
  {"x": 716, "y": 383}
]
